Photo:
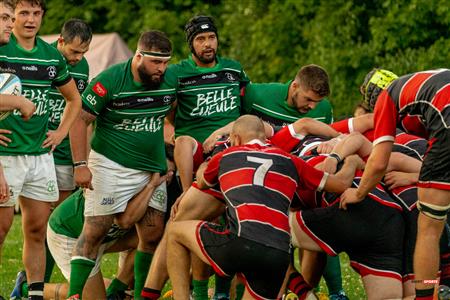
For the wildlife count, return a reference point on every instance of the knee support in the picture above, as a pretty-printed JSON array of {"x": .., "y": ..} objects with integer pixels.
[{"x": 437, "y": 212}]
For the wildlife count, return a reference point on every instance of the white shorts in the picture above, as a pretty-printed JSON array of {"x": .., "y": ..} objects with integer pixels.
[
  {"x": 64, "y": 177},
  {"x": 61, "y": 247},
  {"x": 31, "y": 176},
  {"x": 114, "y": 185}
]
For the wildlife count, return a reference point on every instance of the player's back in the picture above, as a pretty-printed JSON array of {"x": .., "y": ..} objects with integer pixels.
[{"x": 258, "y": 183}]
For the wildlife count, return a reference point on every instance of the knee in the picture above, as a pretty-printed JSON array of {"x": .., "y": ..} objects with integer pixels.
[{"x": 184, "y": 142}]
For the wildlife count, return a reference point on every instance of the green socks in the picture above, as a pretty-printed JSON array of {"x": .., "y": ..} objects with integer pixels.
[
  {"x": 240, "y": 289},
  {"x": 223, "y": 285},
  {"x": 142, "y": 262},
  {"x": 200, "y": 289},
  {"x": 49, "y": 264},
  {"x": 116, "y": 286},
  {"x": 332, "y": 275},
  {"x": 80, "y": 268}
]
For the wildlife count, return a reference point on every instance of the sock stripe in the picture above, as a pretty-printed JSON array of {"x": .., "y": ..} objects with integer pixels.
[{"x": 35, "y": 293}]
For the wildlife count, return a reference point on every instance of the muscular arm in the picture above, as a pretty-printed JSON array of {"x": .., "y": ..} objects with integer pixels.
[
  {"x": 308, "y": 126},
  {"x": 342, "y": 180},
  {"x": 11, "y": 102},
  {"x": 78, "y": 145},
  {"x": 71, "y": 111},
  {"x": 201, "y": 183},
  {"x": 354, "y": 143},
  {"x": 374, "y": 171},
  {"x": 137, "y": 206}
]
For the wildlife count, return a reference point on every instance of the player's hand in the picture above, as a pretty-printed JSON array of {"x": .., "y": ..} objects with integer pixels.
[
  {"x": 209, "y": 143},
  {"x": 157, "y": 180},
  {"x": 54, "y": 138},
  {"x": 329, "y": 165},
  {"x": 174, "y": 209},
  {"x": 327, "y": 147},
  {"x": 357, "y": 161},
  {"x": 350, "y": 196},
  {"x": 396, "y": 179},
  {"x": 83, "y": 177},
  {"x": 4, "y": 140},
  {"x": 4, "y": 188},
  {"x": 27, "y": 108}
]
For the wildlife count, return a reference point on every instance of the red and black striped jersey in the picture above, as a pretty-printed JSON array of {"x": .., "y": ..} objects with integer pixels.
[
  {"x": 410, "y": 145},
  {"x": 258, "y": 182},
  {"x": 419, "y": 103}
]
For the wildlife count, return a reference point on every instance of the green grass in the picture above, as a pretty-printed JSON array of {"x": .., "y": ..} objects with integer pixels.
[{"x": 12, "y": 263}]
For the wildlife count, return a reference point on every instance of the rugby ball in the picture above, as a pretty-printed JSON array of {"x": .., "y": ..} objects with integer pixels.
[{"x": 9, "y": 85}]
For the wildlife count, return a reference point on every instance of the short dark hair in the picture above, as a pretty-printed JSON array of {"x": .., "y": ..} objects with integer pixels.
[
  {"x": 40, "y": 3},
  {"x": 155, "y": 39},
  {"x": 8, "y": 3},
  {"x": 315, "y": 78},
  {"x": 73, "y": 28}
]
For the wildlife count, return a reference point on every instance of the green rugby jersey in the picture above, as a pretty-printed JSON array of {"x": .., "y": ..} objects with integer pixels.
[
  {"x": 207, "y": 98},
  {"x": 80, "y": 73},
  {"x": 68, "y": 219},
  {"x": 269, "y": 102},
  {"x": 130, "y": 118},
  {"x": 38, "y": 69}
]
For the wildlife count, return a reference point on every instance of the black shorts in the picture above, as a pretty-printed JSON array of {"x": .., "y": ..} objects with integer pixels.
[
  {"x": 369, "y": 232},
  {"x": 435, "y": 172},
  {"x": 410, "y": 217},
  {"x": 263, "y": 268}
]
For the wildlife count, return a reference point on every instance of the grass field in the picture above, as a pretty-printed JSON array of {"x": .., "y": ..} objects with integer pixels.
[{"x": 11, "y": 263}]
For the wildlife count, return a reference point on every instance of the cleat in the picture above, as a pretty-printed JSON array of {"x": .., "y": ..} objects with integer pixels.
[
  {"x": 339, "y": 296},
  {"x": 16, "y": 293}
]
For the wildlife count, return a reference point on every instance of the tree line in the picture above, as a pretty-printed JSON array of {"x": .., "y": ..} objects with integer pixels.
[{"x": 272, "y": 39}]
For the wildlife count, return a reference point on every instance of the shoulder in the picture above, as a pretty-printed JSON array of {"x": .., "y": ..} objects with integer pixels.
[
  {"x": 47, "y": 49},
  {"x": 230, "y": 63}
]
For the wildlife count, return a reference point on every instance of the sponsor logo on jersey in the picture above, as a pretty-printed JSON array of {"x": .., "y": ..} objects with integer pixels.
[
  {"x": 30, "y": 68},
  {"x": 209, "y": 76},
  {"x": 7, "y": 70},
  {"x": 230, "y": 76},
  {"x": 146, "y": 99},
  {"x": 167, "y": 99},
  {"x": 149, "y": 124},
  {"x": 99, "y": 89},
  {"x": 56, "y": 109},
  {"x": 107, "y": 201},
  {"x": 51, "y": 72},
  {"x": 218, "y": 101}
]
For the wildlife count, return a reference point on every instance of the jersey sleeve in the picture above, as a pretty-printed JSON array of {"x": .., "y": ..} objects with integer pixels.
[
  {"x": 247, "y": 99},
  {"x": 97, "y": 94},
  {"x": 327, "y": 111},
  {"x": 310, "y": 178},
  {"x": 343, "y": 126},
  {"x": 62, "y": 72},
  {"x": 211, "y": 173},
  {"x": 385, "y": 119}
]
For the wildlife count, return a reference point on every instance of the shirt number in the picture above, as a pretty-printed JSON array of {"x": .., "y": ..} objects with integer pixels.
[{"x": 261, "y": 171}]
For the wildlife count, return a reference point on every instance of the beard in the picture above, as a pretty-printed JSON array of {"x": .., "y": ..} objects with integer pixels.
[
  {"x": 204, "y": 58},
  {"x": 149, "y": 80}
]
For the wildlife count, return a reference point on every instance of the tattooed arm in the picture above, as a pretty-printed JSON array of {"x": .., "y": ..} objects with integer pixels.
[{"x": 78, "y": 144}]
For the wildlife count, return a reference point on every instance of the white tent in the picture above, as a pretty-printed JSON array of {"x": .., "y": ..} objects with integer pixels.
[{"x": 105, "y": 50}]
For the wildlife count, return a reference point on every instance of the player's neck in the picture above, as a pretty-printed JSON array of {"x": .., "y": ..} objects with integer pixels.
[{"x": 26, "y": 43}]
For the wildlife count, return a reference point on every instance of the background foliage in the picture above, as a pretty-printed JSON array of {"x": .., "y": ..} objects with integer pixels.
[{"x": 272, "y": 39}]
